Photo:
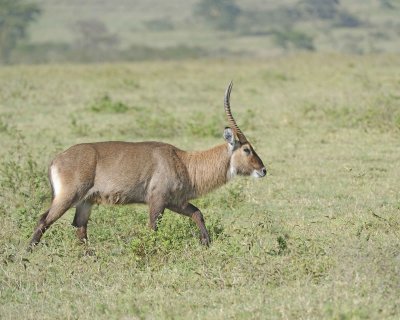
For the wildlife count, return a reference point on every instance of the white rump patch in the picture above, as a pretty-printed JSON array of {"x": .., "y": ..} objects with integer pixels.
[{"x": 55, "y": 181}]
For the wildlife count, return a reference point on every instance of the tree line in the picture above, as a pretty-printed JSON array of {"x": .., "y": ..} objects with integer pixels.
[{"x": 94, "y": 42}]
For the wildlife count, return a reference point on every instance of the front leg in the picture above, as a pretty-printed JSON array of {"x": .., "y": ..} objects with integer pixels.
[{"x": 191, "y": 211}]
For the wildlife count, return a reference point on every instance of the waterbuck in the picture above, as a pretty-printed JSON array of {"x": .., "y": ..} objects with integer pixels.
[{"x": 154, "y": 173}]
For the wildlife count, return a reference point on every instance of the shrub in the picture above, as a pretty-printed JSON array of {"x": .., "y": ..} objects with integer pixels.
[
  {"x": 106, "y": 105},
  {"x": 289, "y": 38}
]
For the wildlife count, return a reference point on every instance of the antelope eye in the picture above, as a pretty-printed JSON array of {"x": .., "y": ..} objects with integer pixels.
[{"x": 246, "y": 150}]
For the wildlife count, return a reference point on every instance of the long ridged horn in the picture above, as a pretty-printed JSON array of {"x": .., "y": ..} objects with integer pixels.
[{"x": 231, "y": 120}]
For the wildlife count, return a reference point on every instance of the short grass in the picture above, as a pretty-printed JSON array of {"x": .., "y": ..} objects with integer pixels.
[{"x": 317, "y": 239}]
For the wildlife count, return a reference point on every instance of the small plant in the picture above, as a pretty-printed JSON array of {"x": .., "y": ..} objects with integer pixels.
[
  {"x": 282, "y": 244},
  {"x": 282, "y": 249},
  {"x": 106, "y": 105}
]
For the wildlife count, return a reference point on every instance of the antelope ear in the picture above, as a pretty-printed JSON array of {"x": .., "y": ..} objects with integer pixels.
[{"x": 229, "y": 136}]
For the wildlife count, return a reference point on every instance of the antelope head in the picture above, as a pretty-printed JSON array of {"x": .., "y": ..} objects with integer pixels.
[{"x": 244, "y": 160}]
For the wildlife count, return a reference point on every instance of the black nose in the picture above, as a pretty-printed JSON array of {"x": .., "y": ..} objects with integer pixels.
[{"x": 264, "y": 171}]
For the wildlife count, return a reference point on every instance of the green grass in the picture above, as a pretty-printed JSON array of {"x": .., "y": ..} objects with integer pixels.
[{"x": 317, "y": 239}]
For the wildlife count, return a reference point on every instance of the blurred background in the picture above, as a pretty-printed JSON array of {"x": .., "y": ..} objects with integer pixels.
[{"x": 56, "y": 31}]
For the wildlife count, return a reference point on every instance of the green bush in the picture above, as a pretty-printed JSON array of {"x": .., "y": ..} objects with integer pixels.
[
  {"x": 106, "y": 105},
  {"x": 289, "y": 39}
]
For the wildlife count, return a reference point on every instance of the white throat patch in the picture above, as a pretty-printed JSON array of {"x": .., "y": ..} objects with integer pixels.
[{"x": 232, "y": 172}]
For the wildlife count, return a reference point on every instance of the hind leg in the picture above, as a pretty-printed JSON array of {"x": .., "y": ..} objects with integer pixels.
[
  {"x": 58, "y": 207},
  {"x": 81, "y": 219},
  {"x": 39, "y": 230}
]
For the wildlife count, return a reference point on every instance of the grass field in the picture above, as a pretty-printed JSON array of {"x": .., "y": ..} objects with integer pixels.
[{"x": 317, "y": 239}]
